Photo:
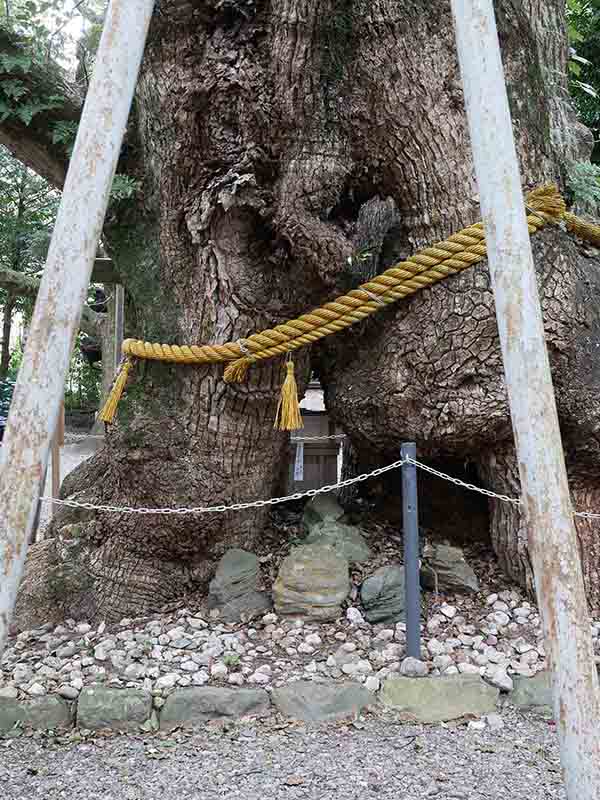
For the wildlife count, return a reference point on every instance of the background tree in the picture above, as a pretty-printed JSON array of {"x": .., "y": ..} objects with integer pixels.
[
  {"x": 28, "y": 208},
  {"x": 264, "y": 137},
  {"x": 583, "y": 18}
]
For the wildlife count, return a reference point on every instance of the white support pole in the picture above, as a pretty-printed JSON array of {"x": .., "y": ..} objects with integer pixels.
[
  {"x": 544, "y": 488},
  {"x": 62, "y": 293}
]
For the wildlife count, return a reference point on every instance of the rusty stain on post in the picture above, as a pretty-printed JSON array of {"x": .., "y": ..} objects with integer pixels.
[
  {"x": 38, "y": 393},
  {"x": 553, "y": 544}
]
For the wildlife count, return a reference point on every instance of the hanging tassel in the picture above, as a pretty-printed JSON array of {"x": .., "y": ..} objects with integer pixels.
[
  {"x": 236, "y": 371},
  {"x": 288, "y": 416},
  {"x": 109, "y": 410}
]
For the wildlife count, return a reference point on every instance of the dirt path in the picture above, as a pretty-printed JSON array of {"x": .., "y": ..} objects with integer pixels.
[{"x": 70, "y": 457}]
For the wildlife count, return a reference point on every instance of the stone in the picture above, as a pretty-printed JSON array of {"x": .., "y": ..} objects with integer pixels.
[
  {"x": 442, "y": 662},
  {"x": 500, "y": 618},
  {"x": 453, "y": 572},
  {"x": 477, "y": 725},
  {"x": 118, "y": 709},
  {"x": 318, "y": 702},
  {"x": 219, "y": 671},
  {"x": 167, "y": 681},
  {"x": 313, "y": 581},
  {"x": 354, "y": 616},
  {"x": 42, "y": 713},
  {"x": 8, "y": 693},
  {"x": 68, "y": 651},
  {"x": 495, "y": 722},
  {"x": 382, "y": 595},
  {"x": 36, "y": 690},
  {"x": 314, "y": 640},
  {"x": 233, "y": 590},
  {"x": 468, "y": 669},
  {"x": 346, "y": 540},
  {"x": 259, "y": 677},
  {"x": 196, "y": 705},
  {"x": 440, "y": 699},
  {"x": 532, "y": 692},
  {"x": 134, "y": 672},
  {"x": 372, "y": 684},
  {"x": 321, "y": 508},
  {"x": 414, "y": 668},
  {"x": 236, "y": 679},
  {"x": 68, "y": 692},
  {"x": 448, "y": 611}
]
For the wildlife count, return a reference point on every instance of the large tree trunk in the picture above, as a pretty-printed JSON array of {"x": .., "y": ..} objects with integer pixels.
[
  {"x": 269, "y": 136},
  {"x": 431, "y": 369}
]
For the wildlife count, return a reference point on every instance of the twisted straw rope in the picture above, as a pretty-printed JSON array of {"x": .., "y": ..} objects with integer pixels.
[{"x": 433, "y": 264}]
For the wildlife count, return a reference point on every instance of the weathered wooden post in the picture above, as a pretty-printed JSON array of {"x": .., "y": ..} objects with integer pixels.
[
  {"x": 544, "y": 489},
  {"x": 63, "y": 289}
]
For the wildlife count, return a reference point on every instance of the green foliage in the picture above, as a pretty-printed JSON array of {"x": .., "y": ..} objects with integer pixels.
[
  {"x": 583, "y": 182},
  {"x": 583, "y": 18},
  {"x": 124, "y": 188},
  {"x": 83, "y": 383},
  {"x": 64, "y": 132}
]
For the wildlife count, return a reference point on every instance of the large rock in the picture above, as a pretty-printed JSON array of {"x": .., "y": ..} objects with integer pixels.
[
  {"x": 322, "y": 508},
  {"x": 453, "y": 572},
  {"x": 346, "y": 540},
  {"x": 382, "y": 595},
  {"x": 119, "y": 709},
  {"x": 533, "y": 692},
  {"x": 318, "y": 702},
  {"x": 43, "y": 713},
  {"x": 233, "y": 590},
  {"x": 313, "y": 581},
  {"x": 195, "y": 705},
  {"x": 440, "y": 699}
]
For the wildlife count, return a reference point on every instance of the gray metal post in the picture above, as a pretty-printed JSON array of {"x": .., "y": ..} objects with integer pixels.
[
  {"x": 410, "y": 524},
  {"x": 62, "y": 293},
  {"x": 544, "y": 489}
]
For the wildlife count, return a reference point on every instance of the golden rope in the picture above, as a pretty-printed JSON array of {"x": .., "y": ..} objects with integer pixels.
[{"x": 429, "y": 266}]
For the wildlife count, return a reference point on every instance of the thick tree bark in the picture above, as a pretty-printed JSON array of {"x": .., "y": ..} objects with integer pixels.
[{"x": 270, "y": 137}]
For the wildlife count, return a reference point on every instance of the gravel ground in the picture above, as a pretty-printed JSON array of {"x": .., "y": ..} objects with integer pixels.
[{"x": 376, "y": 757}]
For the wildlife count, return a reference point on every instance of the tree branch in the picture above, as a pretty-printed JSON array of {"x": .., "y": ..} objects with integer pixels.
[
  {"x": 20, "y": 285},
  {"x": 33, "y": 143}
]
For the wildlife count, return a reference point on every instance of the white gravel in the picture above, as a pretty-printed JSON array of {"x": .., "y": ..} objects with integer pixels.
[{"x": 375, "y": 758}]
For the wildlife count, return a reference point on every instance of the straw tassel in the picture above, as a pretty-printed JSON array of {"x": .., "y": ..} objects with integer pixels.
[
  {"x": 236, "y": 371},
  {"x": 288, "y": 416},
  {"x": 109, "y": 410}
]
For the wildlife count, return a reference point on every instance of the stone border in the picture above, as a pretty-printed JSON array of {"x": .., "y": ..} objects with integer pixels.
[{"x": 101, "y": 708}]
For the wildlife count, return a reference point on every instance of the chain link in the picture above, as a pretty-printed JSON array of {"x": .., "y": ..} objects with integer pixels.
[
  {"x": 81, "y": 436},
  {"x": 317, "y": 438},
  {"x": 469, "y": 486},
  {"x": 472, "y": 488},
  {"x": 273, "y": 501}
]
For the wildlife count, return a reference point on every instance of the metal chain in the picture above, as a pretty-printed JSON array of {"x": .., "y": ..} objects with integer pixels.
[
  {"x": 80, "y": 436},
  {"x": 472, "y": 488},
  {"x": 316, "y": 438},
  {"x": 273, "y": 501}
]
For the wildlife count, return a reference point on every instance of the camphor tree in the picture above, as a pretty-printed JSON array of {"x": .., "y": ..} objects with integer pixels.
[{"x": 268, "y": 144}]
